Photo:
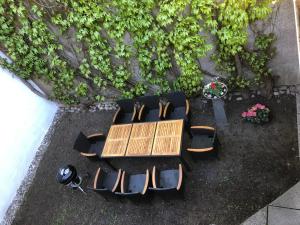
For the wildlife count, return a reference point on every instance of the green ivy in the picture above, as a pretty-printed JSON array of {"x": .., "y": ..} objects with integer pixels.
[{"x": 130, "y": 46}]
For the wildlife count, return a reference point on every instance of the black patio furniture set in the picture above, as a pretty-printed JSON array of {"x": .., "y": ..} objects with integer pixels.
[{"x": 151, "y": 109}]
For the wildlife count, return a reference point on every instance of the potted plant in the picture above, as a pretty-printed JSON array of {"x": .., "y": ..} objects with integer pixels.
[
  {"x": 258, "y": 114},
  {"x": 214, "y": 90}
]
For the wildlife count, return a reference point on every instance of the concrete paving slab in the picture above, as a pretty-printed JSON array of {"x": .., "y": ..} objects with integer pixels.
[
  {"x": 259, "y": 218},
  {"x": 290, "y": 199},
  {"x": 283, "y": 216},
  {"x": 219, "y": 112}
]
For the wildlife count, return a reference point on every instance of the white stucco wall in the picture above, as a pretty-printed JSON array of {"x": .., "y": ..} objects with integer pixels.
[{"x": 24, "y": 120}]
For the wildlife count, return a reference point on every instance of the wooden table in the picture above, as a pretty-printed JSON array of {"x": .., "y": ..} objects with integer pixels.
[
  {"x": 116, "y": 141},
  {"x": 162, "y": 138},
  {"x": 141, "y": 139},
  {"x": 168, "y": 137}
]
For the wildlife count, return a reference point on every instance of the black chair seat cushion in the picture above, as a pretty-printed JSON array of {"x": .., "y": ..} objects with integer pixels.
[
  {"x": 151, "y": 115},
  {"x": 136, "y": 183},
  {"x": 107, "y": 181},
  {"x": 97, "y": 147},
  {"x": 82, "y": 144},
  {"x": 127, "y": 105},
  {"x": 168, "y": 179},
  {"x": 177, "y": 113},
  {"x": 124, "y": 117},
  {"x": 202, "y": 141},
  {"x": 152, "y": 102},
  {"x": 177, "y": 99}
]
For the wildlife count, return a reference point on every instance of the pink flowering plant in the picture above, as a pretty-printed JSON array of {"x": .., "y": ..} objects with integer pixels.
[{"x": 258, "y": 113}]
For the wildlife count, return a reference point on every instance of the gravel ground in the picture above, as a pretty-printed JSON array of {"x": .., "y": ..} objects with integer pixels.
[{"x": 256, "y": 164}]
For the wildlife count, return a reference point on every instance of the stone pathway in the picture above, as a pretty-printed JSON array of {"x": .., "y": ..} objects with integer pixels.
[
  {"x": 219, "y": 113},
  {"x": 285, "y": 210}
]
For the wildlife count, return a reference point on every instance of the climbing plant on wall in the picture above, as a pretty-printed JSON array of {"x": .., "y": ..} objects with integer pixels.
[{"x": 91, "y": 50}]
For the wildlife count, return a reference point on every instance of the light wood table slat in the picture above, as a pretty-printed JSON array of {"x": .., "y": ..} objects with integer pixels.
[
  {"x": 168, "y": 135},
  {"x": 141, "y": 139},
  {"x": 116, "y": 141}
]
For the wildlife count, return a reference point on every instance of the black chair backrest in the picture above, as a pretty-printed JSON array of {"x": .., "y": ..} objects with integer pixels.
[
  {"x": 127, "y": 105},
  {"x": 177, "y": 99},
  {"x": 110, "y": 180},
  {"x": 82, "y": 144},
  {"x": 151, "y": 102}
]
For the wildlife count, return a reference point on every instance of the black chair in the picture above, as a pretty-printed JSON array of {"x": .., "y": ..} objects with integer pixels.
[
  {"x": 203, "y": 139},
  {"x": 90, "y": 146},
  {"x": 151, "y": 109},
  {"x": 106, "y": 183},
  {"x": 126, "y": 112},
  {"x": 134, "y": 185},
  {"x": 177, "y": 107},
  {"x": 167, "y": 180}
]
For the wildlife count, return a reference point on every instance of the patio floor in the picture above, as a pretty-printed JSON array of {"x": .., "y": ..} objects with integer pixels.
[{"x": 256, "y": 164}]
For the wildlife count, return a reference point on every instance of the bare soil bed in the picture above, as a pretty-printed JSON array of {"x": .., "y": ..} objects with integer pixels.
[{"x": 256, "y": 164}]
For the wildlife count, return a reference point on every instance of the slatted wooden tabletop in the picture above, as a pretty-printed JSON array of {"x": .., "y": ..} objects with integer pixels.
[
  {"x": 161, "y": 138},
  {"x": 116, "y": 141},
  {"x": 167, "y": 141},
  {"x": 141, "y": 139}
]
